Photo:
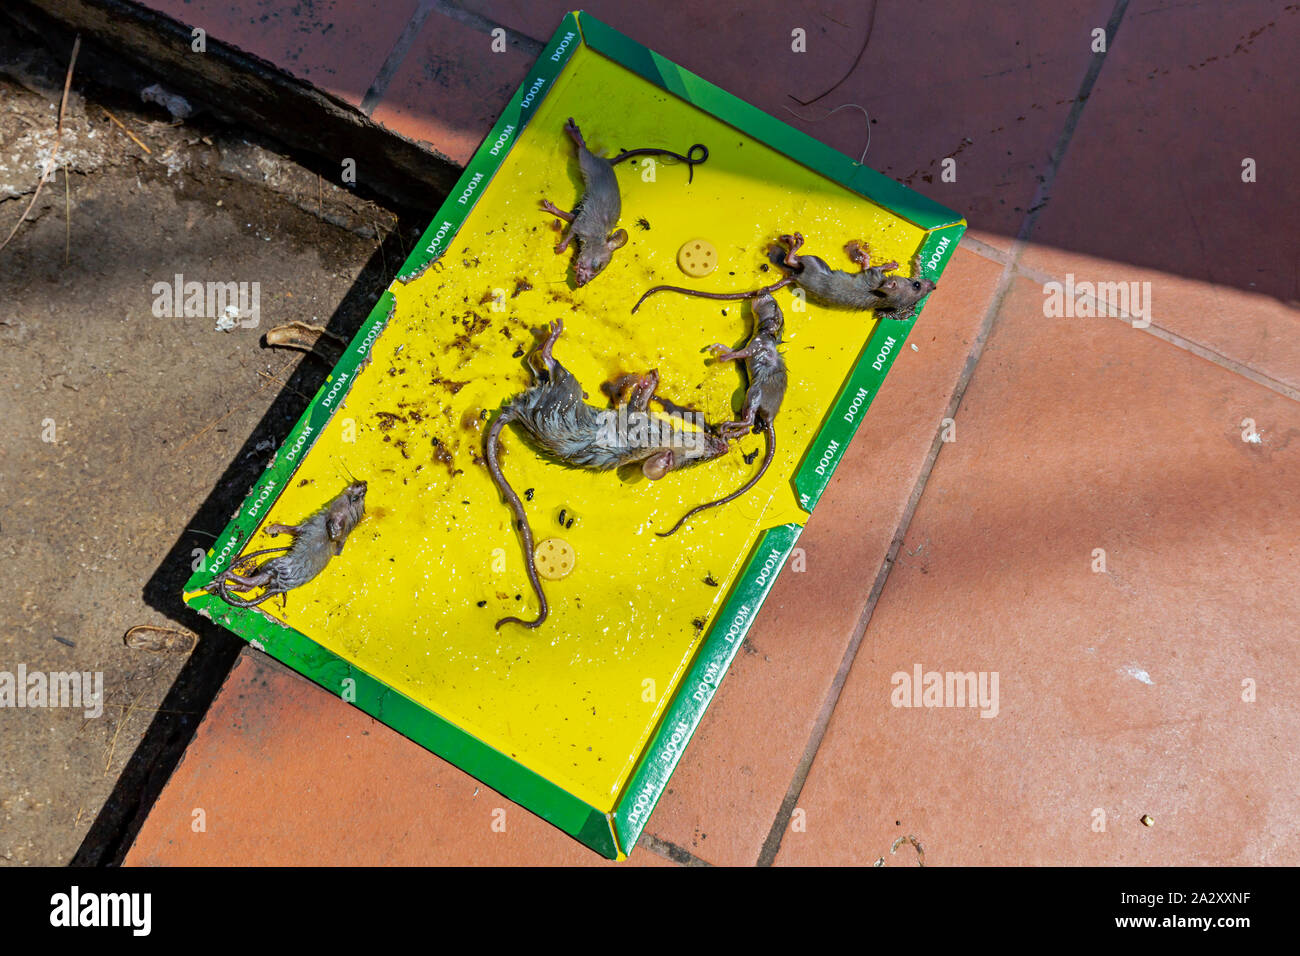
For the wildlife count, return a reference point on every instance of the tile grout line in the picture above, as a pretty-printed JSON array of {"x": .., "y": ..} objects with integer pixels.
[
  {"x": 1057, "y": 155},
  {"x": 983, "y": 249},
  {"x": 772, "y": 845},
  {"x": 406, "y": 40},
  {"x": 396, "y": 56},
  {"x": 1216, "y": 358},
  {"x": 1177, "y": 341},
  {"x": 482, "y": 24},
  {"x": 670, "y": 851}
]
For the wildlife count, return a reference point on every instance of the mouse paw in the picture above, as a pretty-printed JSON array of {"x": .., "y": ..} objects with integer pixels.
[
  {"x": 555, "y": 210},
  {"x": 793, "y": 243},
  {"x": 576, "y": 134},
  {"x": 730, "y": 431}
]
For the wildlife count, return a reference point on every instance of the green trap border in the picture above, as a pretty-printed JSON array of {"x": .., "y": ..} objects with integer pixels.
[{"x": 613, "y": 834}]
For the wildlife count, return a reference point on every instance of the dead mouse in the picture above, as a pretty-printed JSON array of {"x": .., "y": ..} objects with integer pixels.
[
  {"x": 315, "y": 541},
  {"x": 593, "y": 220},
  {"x": 767, "y": 384},
  {"x": 553, "y": 412},
  {"x": 871, "y": 289}
]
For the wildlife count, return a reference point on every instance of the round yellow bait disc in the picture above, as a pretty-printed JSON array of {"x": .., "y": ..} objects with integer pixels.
[
  {"x": 697, "y": 257},
  {"x": 555, "y": 558}
]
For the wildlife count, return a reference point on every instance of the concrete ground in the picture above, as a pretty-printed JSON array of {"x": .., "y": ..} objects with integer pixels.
[
  {"x": 1099, "y": 510},
  {"x": 130, "y": 437}
]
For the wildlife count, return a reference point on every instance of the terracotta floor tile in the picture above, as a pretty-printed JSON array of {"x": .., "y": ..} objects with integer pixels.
[
  {"x": 1253, "y": 329},
  {"x": 990, "y": 85},
  {"x": 451, "y": 87},
  {"x": 338, "y": 45},
  {"x": 1120, "y": 691},
  {"x": 733, "y": 777},
  {"x": 287, "y": 774},
  {"x": 1151, "y": 186}
]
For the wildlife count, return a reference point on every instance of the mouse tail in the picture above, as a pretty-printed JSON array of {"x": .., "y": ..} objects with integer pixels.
[
  {"x": 770, "y": 434},
  {"x": 690, "y": 159},
  {"x": 224, "y": 589},
  {"x": 725, "y": 296},
  {"x": 256, "y": 554},
  {"x": 492, "y": 448},
  {"x": 216, "y": 582}
]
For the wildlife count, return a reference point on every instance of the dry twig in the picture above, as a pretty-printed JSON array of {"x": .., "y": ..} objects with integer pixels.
[
  {"x": 134, "y": 138},
  {"x": 58, "y": 136}
]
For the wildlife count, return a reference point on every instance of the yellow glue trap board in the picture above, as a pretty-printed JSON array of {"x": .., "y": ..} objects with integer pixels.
[{"x": 583, "y": 718}]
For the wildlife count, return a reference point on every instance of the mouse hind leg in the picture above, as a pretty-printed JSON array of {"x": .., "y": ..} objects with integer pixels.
[
  {"x": 574, "y": 133},
  {"x": 643, "y": 389},
  {"x": 640, "y": 388},
  {"x": 549, "y": 359},
  {"x": 616, "y": 389},
  {"x": 741, "y": 426},
  {"x": 567, "y": 236},
  {"x": 555, "y": 210},
  {"x": 542, "y": 361},
  {"x": 725, "y": 354},
  {"x": 860, "y": 253}
]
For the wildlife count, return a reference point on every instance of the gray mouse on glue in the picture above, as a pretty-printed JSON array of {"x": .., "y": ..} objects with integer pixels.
[
  {"x": 767, "y": 384},
  {"x": 554, "y": 414},
  {"x": 593, "y": 220},
  {"x": 869, "y": 289},
  {"x": 315, "y": 541}
]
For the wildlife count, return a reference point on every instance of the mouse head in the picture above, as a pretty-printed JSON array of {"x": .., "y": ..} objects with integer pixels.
[
  {"x": 898, "y": 293},
  {"x": 694, "y": 446},
  {"x": 345, "y": 511},
  {"x": 768, "y": 318},
  {"x": 594, "y": 256}
]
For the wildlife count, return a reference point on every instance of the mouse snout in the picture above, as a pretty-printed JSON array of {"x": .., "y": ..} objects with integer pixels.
[
  {"x": 714, "y": 445},
  {"x": 586, "y": 270}
]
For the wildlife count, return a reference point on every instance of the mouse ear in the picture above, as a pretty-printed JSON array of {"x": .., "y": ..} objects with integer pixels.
[
  {"x": 334, "y": 526},
  {"x": 617, "y": 239},
  {"x": 658, "y": 465}
]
